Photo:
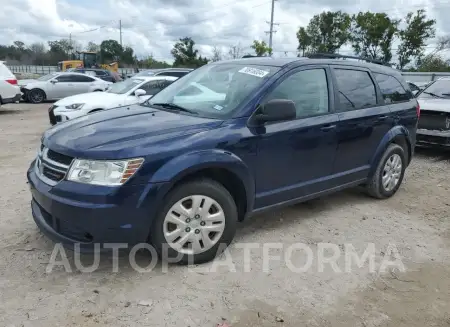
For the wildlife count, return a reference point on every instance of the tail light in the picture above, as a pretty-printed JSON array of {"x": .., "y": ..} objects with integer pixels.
[
  {"x": 12, "y": 81},
  {"x": 418, "y": 110}
]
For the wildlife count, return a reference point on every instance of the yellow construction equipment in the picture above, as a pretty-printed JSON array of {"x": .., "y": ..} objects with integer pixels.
[{"x": 86, "y": 59}]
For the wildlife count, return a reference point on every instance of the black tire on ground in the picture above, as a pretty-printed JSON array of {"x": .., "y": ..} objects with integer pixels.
[
  {"x": 36, "y": 96},
  {"x": 375, "y": 186},
  {"x": 205, "y": 187}
]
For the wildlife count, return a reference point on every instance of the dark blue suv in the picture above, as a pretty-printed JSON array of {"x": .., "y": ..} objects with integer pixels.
[{"x": 228, "y": 140}]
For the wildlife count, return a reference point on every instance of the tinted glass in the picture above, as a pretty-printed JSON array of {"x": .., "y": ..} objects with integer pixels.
[
  {"x": 66, "y": 78},
  {"x": 356, "y": 89},
  {"x": 82, "y": 79},
  {"x": 308, "y": 89},
  {"x": 175, "y": 74},
  {"x": 438, "y": 89},
  {"x": 391, "y": 89},
  {"x": 154, "y": 87}
]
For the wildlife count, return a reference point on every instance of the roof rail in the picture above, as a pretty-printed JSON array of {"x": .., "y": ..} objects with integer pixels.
[
  {"x": 339, "y": 56},
  {"x": 253, "y": 56}
]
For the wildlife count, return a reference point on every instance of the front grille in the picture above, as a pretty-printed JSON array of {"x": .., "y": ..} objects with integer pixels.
[
  {"x": 58, "y": 157},
  {"x": 52, "y": 166},
  {"x": 434, "y": 120}
]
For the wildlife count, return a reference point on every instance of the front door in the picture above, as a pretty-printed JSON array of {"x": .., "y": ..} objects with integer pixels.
[
  {"x": 296, "y": 157},
  {"x": 364, "y": 120},
  {"x": 61, "y": 87}
]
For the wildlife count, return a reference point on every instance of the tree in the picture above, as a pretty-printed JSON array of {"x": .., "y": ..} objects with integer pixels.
[
  {"x": 261, "y": 48},
  {"x": 434, "y": 63},
  {"x": 92, "y": 47},
  {"x": 329, "y": 31},
  {"x": 110, "y": 50},
  {"x": 186, "y": 55},
  {"x": 373, "y": 34},
  {"x": 127, "y": 56},
  {"x": 19, "y": 45},
  {"x": 414, "y": 36},
  {"x": 304, "y": 41},
  {"x": 217, "y": 54},
  {"x": 235, "y": 51}
]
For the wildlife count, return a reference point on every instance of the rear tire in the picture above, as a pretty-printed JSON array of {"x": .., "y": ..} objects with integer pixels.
[
  {"x": 389, "y": 173},
  {"x": 199, "y": 233},
  {"x": 36, "y": 96}
]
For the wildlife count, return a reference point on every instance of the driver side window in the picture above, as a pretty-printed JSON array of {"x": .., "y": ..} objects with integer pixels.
[{"x": 308, "y": 89}]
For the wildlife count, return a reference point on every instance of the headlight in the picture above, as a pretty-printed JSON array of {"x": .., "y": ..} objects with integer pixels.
[
  {"x": 101, "y": 172},
  {"x": 75, "y": 106}
]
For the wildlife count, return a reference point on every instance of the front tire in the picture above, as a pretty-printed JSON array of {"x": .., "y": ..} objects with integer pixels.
[
  {"x": 196, "y": 222},
  {"x": 389, "y": 173},
  {"x": 36, "y": 96}
]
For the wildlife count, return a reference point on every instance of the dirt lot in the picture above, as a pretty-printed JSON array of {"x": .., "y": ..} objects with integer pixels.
[{"x": 416, "y": 221}]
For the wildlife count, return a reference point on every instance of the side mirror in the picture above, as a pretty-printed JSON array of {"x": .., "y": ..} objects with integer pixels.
[
  {"x": 140, "y": 92},
  {"x": 53, "y": 81},
  {"x": 277, "y": 110}
]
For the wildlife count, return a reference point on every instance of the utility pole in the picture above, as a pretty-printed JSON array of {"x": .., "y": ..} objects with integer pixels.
[
  {"x": 271, "y": 23},
  {"x": 70, "y": 45},
  {"x": 120, "y": 31}
]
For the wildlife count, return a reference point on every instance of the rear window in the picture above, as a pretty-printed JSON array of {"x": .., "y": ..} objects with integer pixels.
[
  {"x": 356, "y": 89},
  {"x": 391, "y": 89}
]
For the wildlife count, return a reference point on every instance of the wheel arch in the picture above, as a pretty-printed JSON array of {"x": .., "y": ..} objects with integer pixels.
[
  {"x": 398, "y": 135},
  {"x": 221, "y": 166}
]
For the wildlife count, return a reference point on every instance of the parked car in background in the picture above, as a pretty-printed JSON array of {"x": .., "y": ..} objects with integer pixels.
[
  {"x": 9, "y": 89},
  {"x": 128, "y": 92},
  {"x": 180, "y": 173},
  {"x": 434, "y": 122},
  {"x": 176, "y": 72},
  {"x": 103, "y": 74},
  {"x": 56, "y": 86}
]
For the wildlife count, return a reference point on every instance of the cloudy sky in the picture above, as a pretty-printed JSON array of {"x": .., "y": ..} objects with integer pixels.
[{"x": 152, "y": 26}]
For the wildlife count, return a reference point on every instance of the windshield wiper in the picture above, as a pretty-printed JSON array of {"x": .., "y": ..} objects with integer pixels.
[
  {"x": 173, "y": 106},
  {"x": 433, "y": 94}
]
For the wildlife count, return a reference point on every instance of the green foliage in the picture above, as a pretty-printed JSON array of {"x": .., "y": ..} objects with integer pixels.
[
  {"x": 304, "y": 41},
  {"x": 186, "y": 55},
  {"x": 328, "y": 31},
  {"x": 433, "y": 63},
  {"x": 372, "y": 35},
  {"x": 414, "y": 36},
  {"x": 261, "y": 48}
]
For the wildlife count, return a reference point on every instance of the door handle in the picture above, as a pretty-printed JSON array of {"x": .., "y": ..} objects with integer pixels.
[
  {"x": 383, "y": 117},
  {"x": 327, "y": 128}
]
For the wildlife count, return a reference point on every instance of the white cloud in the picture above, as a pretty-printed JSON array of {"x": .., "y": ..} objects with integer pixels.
[{"x": 152, "y": 26}]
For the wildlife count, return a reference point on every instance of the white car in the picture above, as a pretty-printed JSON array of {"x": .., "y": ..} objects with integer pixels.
[
  {"x": 128, "y": 92},
  {"x": 56, "y": 86},
  {"x": 9, "y": 89}
]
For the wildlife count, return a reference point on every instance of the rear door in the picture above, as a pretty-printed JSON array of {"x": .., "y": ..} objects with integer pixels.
[
  {"x": 363, "y": 122},
  {"x": 82, "y": 83}
]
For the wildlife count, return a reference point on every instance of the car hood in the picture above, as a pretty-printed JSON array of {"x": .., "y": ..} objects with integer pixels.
[
  {"x": 124, "y": 132},
  {"x": 92, "y": 99},
  {"x": 442, "y": 105}
]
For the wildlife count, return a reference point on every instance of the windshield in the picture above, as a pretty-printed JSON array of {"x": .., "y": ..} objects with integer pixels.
[
  {"x": 47, "y": 77},
  {"x": 438, "y": 89},
  {"x": 124, "y": 86},
  {"x": 214, "y": 90}
]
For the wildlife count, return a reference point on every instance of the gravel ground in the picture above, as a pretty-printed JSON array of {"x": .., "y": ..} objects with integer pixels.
[{"x": 415, "y": 222}]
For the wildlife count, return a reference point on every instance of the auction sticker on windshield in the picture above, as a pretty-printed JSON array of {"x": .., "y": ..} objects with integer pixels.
[{"x": 254, "y": 72}]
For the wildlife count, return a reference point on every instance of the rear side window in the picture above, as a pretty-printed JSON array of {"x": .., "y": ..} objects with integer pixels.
[
  {"x": 391, "y": 89},
  {"x": 356, "y": 89}
]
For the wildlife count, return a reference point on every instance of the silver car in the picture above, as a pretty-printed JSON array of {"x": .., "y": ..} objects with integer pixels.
[
  {"x": 434, "y": 121},
  {"x": 56, "y": 86}
]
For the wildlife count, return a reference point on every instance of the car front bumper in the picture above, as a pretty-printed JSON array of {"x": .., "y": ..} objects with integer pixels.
[
  {"x": 60, "y": 114},
  {"x": 92, "y": 216},
  {"x": 433, "y": 138}
]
